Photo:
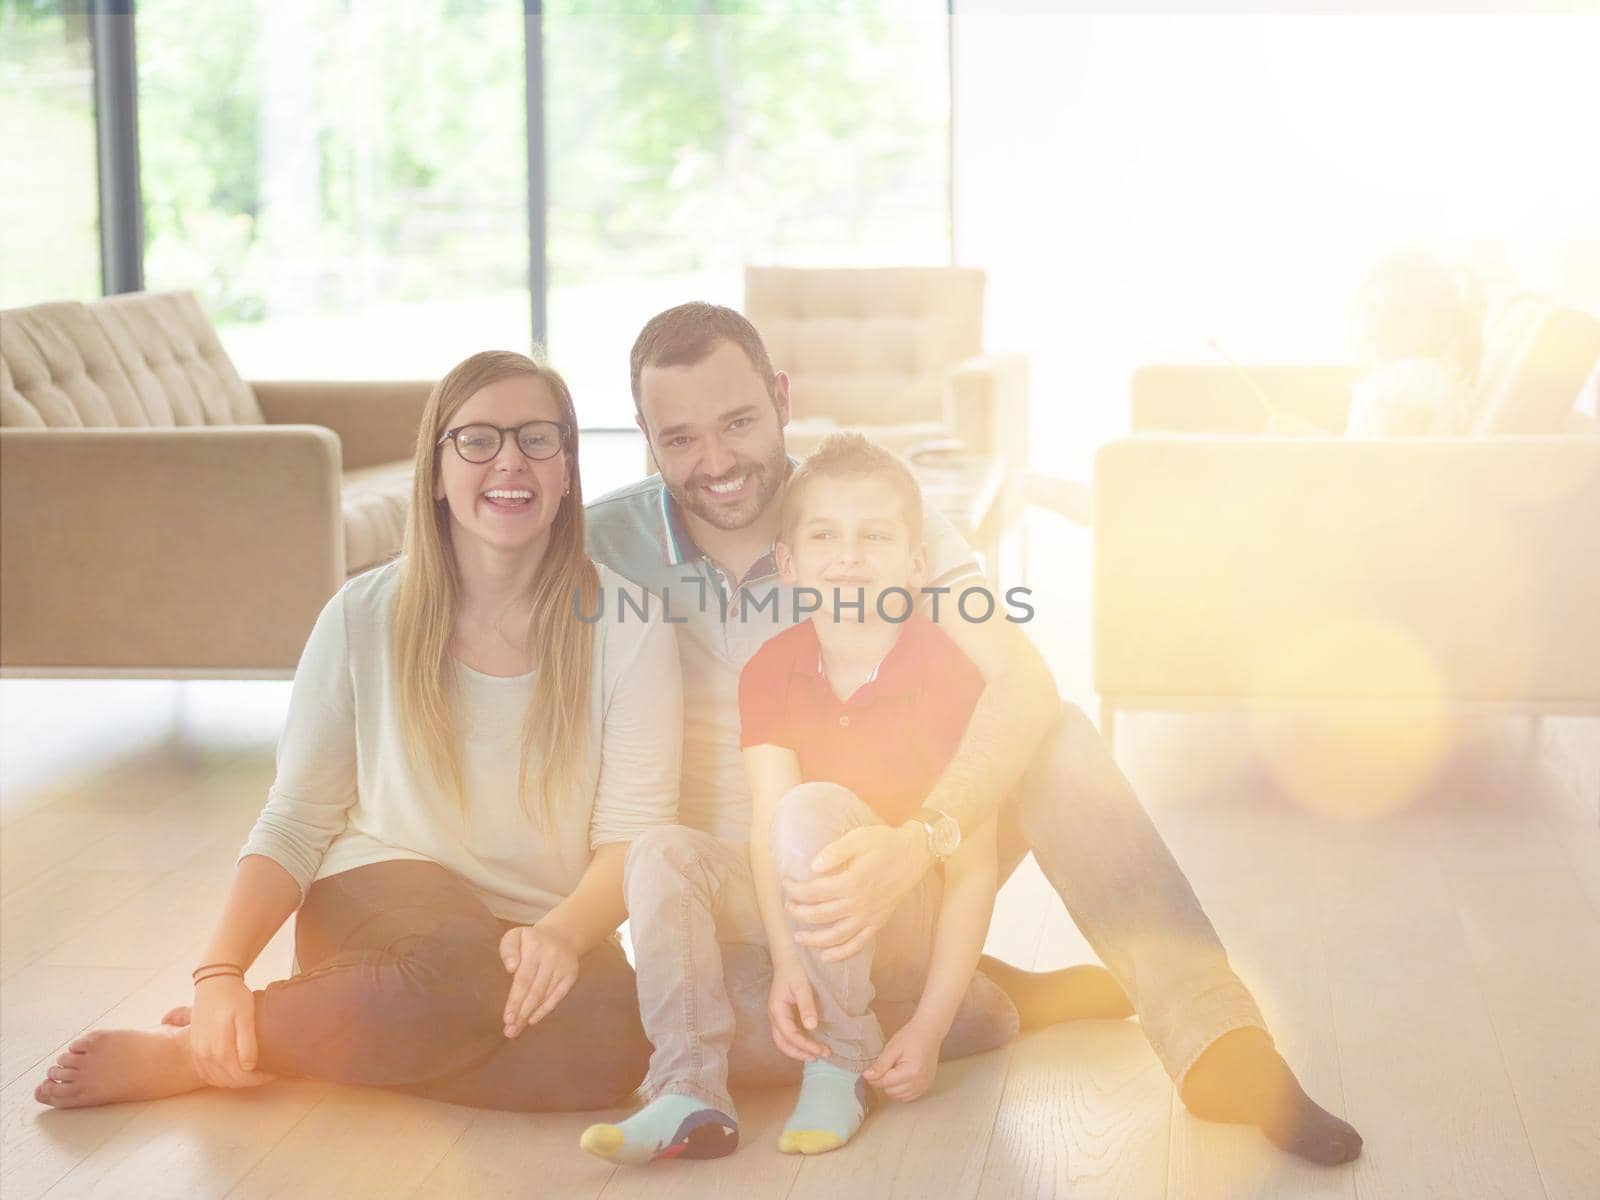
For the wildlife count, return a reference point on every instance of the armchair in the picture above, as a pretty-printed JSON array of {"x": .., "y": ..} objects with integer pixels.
[{"x": 895, "y": 352}]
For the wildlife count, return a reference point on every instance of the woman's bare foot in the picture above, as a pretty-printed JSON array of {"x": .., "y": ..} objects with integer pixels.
[{"x": 108, "y": 1066}]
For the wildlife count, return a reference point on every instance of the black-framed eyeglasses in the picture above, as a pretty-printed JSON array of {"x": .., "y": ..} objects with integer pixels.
[{"x": 537, "y": 440}]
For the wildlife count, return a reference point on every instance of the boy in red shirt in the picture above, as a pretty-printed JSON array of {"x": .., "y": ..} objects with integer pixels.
[{"x": 848, "y": 718}]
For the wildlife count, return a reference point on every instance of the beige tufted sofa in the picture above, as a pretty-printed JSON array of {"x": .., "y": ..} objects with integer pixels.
[
  {"x": 896, "y": 352},
  {"x": 161, "y": 516}
]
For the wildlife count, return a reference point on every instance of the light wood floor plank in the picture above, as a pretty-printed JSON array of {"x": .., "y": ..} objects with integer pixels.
[
  {"x": 195, "y": 1147},
  {"x": 1085, "y": 1113},
  {"x": 210, "y": 816},
  {"x": 40, "y": 841},
  {"x": 515, "y": 1156},
  {"x": 134, "y": 783},
  {"x": 402, "y": 1139},
  {"x": 150, "y": 928},
  {"x": 1536, "y": 943},
  {"x": 1423, "y": 1072},
  {"x": 61, "y": 904}
]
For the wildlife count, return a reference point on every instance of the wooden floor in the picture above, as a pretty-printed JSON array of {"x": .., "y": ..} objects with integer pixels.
[{"x": 1434, "y": 975}]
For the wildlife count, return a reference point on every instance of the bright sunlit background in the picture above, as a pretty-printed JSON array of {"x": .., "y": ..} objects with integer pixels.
[
  {"x": 345, "y": 182},
  {"x": 1136, "y": 186}
]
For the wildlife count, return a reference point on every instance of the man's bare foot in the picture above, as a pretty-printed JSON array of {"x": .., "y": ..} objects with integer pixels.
[{"x": 108, "y": 1066}]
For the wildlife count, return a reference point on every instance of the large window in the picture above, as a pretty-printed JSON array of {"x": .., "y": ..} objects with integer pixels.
[
  {"x": 49, "y": 204},
  {"x": 684, "y": 145},
  {"x": 344, "y": 182}
]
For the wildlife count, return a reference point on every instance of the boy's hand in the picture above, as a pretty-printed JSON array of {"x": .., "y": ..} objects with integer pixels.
[
  {"x": 909, "y": 1061},
  {"x": 792, "y": 1010},
  {"x": 861, "y": 878}
]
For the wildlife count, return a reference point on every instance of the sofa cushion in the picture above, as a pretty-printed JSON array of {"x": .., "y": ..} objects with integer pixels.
[
  {"x": 374, "y": 501},
  {"x": 170, "y": 351},
  {"x": 62, "y": 372}
]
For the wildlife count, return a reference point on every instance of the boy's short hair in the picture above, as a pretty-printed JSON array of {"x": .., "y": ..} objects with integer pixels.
[
  {"x": 687, "y": 334},
  {"x": 851, "y": 456}
]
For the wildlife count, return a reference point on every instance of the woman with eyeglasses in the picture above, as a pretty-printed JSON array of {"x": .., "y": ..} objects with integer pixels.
[{"x": 462, "y": 767}]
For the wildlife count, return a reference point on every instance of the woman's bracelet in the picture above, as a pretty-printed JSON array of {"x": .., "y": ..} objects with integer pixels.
[
  {"x": 199, "y": 979},
  {"x": 212, "y": 970}
]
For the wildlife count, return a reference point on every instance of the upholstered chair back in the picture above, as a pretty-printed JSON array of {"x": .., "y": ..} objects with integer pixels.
[
  {"x": 1537, "y": 356},
  {"x": 143, "y": 359},
  {"x": 867, "y": 345}
]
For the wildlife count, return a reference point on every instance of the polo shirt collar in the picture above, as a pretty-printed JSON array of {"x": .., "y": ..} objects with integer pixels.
[
  {"x": 895, "y": 673},
  {"x": 676, "y": 542},
  {"x": 680, "y": 547}
]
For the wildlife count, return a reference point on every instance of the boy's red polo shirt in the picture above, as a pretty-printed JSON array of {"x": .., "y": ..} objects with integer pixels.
[{"x": 891, "y": 740}]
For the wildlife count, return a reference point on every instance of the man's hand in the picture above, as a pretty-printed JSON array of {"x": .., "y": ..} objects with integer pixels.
[
  {"x": 860, "y": 880},
  {"x": 543, "y": 969},
  {"x": 792, "y": 1010},
  {"x": 909, "y": 1061}
]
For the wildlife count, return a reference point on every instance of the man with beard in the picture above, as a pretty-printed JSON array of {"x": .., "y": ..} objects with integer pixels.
[{"x": 700, "y": 534}]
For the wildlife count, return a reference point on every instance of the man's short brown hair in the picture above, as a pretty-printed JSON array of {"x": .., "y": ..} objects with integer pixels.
[
  {"x": 852, "y": 456},
  {"x": 687, "y": 334}
]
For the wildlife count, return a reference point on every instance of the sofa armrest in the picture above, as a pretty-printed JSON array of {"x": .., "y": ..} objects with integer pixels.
[
  {"x": 986, "y": 405},
  {"x": 376, "y": 420},
  {"x": 1412, "y": 570},
  {"x": 166, "y": 550}
]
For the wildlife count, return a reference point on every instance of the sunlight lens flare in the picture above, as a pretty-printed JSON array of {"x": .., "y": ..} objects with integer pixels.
[{"x": 1357, "y": 761}]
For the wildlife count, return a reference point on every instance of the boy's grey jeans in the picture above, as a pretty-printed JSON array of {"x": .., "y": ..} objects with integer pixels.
[
  {"x": 1095, "y": 843},
  {"x": 704, "y": 969}
]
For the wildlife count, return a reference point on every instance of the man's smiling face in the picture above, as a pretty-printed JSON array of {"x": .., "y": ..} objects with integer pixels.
[{"x": 717, "y": 435}]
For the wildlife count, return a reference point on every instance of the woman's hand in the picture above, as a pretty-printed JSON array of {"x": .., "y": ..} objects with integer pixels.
[
  {"x": 909, "y": 1061},
  {"x": 543, "y": 968},
  {"x": 792, "y": 1009},
  {"x": 222, "y": 1033}
]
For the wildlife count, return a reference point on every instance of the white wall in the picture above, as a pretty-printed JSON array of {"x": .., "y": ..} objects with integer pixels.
[{"x": 1137, "y": 185}]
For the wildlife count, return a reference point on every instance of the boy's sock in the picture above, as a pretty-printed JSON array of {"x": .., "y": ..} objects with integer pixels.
[
  {"x": 670, "y": 1126},
  {"x": 830, "y": 1109},
  {"x": 1070, "y": 994}
]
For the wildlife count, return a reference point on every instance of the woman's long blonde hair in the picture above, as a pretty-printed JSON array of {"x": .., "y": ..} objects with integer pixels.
[{"x": 557, "y": 722}]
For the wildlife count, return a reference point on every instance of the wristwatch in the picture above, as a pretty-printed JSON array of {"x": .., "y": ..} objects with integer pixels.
[{"x": 944, "y": 834}]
